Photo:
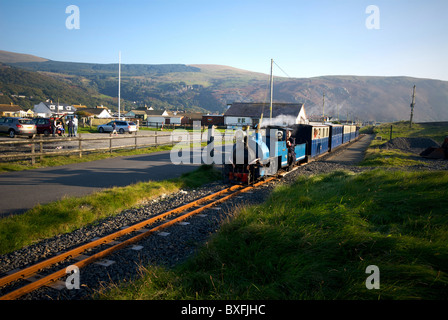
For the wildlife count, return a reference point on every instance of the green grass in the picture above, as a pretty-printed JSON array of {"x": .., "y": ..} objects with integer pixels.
[
  {"x": 314, "y": 240},
  {"x": 375, "y": 157},
  {"x": 71, "y": 213}
]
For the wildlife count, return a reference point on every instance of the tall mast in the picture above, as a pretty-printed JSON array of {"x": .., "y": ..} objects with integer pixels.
[
  {"x": 323, "y": 108},
  {"x": 272, "y": 87},
  {"x": 412, "y": 107},
  {"x": 119, "y": 83}
]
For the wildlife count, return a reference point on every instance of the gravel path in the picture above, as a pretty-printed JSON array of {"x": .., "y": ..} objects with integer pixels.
[{"x": 159, "y": 249}]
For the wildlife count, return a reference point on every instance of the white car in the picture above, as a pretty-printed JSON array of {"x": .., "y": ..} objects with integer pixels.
[{"x": 120, "y": 126}]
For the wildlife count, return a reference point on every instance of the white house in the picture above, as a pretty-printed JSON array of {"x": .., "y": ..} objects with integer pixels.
[
  {"x": 156, "y": 117},
  {"x": 249, "y": 114},
  {"x": 48, "y": 109},
  {"x": 101, "y": 113}
]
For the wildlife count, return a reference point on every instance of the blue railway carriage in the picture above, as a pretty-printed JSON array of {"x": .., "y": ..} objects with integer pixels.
[
  {"x": 316, "y": 137},
  {"x": 347, "y": 133},
  {"x": 336, "y": 132},
  {"x": 352, "y": 132}
]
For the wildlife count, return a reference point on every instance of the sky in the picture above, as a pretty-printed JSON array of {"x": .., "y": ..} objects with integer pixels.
[{"x": 305, "y": 38}]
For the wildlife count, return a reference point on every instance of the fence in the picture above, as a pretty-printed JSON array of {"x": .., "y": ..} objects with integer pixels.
[{"x": 33, "y": 153}]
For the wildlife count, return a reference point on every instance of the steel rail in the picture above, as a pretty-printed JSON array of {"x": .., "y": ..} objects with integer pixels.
[{"x": 77, "y": 251}]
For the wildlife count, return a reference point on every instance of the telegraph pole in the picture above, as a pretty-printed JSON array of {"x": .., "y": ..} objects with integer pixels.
[
  {"x": 323, "y": 108},
  {"x": 272, "y": 87},
  {"x": 119, "y": 83},
  {"x": 412, "y": 107}
]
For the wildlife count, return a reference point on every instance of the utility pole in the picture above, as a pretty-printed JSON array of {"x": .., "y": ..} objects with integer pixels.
[
  {"x": 412, "y": 107},
  {"x": 119, "y": 83},
  {"x": 323, "y": 108},
  {"x": 272, "y": 88}
]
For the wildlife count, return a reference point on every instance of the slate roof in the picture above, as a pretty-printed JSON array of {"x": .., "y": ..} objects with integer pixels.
[
  {"x": 57, "y": 105},
  {"x": 95, "y": 111},
  {"x": 154, "y": 112},
  {"x": 254, "y": 110}
]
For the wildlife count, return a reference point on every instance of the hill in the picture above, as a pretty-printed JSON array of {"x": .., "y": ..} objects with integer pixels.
[
  {"x": 36, "y": 87},
  {"x": 12, "y": 57},
  {"x": 211, "y": 87}
]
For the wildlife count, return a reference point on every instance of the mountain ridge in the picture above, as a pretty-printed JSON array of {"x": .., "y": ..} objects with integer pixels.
[{"x": 209, "y": 88}]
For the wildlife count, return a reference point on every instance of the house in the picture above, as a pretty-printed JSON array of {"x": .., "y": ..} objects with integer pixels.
[
  {"x": 100, "y": 113},
  {"x": 26, "y": 114},
  {"x": 189, "y": 118},
  {"x": 10, "y": 110},
  {"x": 137, "y": 114},
  {"x": 174, "y": 118},
  {"x": 156, "y": 117},
  {"x": 48, "y": 109},
  {"x": 249, "y": 113},
  {"x": 213, "y": 119}
]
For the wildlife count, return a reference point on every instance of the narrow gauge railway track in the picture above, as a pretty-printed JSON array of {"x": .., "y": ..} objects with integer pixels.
[{"x": 141, "y": 228}]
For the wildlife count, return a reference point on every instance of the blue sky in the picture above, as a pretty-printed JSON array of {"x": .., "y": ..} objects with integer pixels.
[{"x": 305, "y": 38}]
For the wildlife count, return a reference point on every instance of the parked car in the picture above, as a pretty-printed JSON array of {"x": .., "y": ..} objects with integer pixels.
[
  {"x": 120, "y": 126},
  {"x": 43, "y": 126},
  {"x": 14, "y": 126}
]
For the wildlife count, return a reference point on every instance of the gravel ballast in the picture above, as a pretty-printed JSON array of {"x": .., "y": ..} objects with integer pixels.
[{"x": 411, "y": 145}]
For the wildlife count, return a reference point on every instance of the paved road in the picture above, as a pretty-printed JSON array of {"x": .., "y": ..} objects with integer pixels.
[{"x": 20, "y": 191}]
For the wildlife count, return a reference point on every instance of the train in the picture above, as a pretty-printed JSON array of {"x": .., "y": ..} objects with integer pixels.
[{"x": 262, "y": 153}]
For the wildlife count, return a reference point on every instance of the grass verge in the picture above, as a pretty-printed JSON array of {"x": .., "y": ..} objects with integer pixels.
[
  {"x": 315, "y": 239},
  {"x": 375, "y": 157},
  {"x": 71, "y": 213}
]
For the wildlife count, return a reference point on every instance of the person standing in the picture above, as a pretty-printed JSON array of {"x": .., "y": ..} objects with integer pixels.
[
  {"x": 114, "y": 128},
  {"x": 70, "y": 127},
  {"x": 54, "y": 126},
  {"x": 75, "y": 126},
  {"x": 290, "y": 144}
]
